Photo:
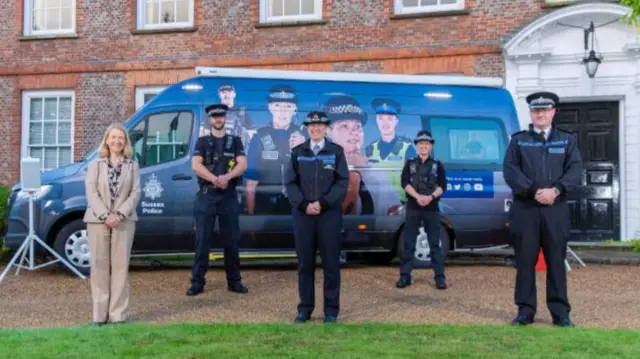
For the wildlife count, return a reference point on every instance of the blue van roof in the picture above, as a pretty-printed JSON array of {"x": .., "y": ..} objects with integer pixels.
[
  {"x": 197, "y": 90},
  {"x": 349, "y": 77},
  {"x": 455, "y": 95}
]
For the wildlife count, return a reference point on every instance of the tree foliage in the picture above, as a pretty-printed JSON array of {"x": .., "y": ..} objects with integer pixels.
[{"x": 634, "y": 17}]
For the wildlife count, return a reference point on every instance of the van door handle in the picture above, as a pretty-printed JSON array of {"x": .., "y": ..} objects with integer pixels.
[{"x": 181, "y": 177}]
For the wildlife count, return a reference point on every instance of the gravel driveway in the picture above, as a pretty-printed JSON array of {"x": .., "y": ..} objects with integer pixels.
[{"x": 602, "y": 296}]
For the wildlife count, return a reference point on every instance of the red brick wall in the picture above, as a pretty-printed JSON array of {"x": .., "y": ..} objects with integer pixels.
[
  {"x": 109, "y": 58},
  {"x": 226, "y": 34}
]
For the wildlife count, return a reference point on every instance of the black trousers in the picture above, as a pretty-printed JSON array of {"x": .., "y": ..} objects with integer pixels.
[
  {"x": 536, "y": 227},
  {"x": 321, "y": 232},
  {"x": 209, "y": 206},
  {"x": 431, "y": 222}
]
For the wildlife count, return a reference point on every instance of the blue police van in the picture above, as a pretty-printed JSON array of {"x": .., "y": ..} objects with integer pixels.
[{"x": 470, "y": 118}]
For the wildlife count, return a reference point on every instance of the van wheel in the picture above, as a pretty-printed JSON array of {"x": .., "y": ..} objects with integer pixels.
[
  {"x": 72, "y": 243},
  {"x": 421, "y": 257}
]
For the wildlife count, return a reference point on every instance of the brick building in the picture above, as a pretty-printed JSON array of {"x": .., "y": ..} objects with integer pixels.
[{"x": 69, "y": 67}]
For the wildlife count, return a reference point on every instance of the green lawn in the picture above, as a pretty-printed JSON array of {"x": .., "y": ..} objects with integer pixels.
[{"x": 317, "y": 340}]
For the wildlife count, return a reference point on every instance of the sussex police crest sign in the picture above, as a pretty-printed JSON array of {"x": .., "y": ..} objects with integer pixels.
[{"x": 152, "y": 189}]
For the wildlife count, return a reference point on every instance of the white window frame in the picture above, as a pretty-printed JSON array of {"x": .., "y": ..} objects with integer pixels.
[
  {"x": 400, "y": 9},
  {"x": 142, "y": 25},
  {"x": 265, "y": 18},
  {"x": 144, "y": 90},
  {"x": 27, "y": 96},
  {"x": 28, "y": 21}
]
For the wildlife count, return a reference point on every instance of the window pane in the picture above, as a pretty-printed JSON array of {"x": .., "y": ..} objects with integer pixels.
[
  {"x": 291, "y": 7},
  {"x": 429, "y": 2},
  {"x": 40, "y": 4},
  {"x": 35, "y": 133},
  {"x": 36, "y": 152},
  {"x": 65, "y": 108},
  {"x": 137, "y": 135},
  {"x": 409, "y": 3},
  {"x": 50, "y": 129},
  {"x": 182, "y": 15},
  {"x": 470, "y": 141},
  {"x": 167, "y": 137},
  {"x": 53, "y": 19},
  {"x": 64, "y": 133},
  {"x": 308, "y": 7},
  {"x": 152, "y": 12},
  {"x": 66, "y": 3},
  {"x": 167, "y": 11},
  {"x": 36, "y": 109},
  {"x": 448, "y": 2},
  {"x": 50, "y": 158},
  {"x": 64, "y": 156},
  {"x": 38, "y": 20},
  {"x": 148, "y": 97},
  {"x": 66, "y": 21},
  {"x": 276, "y": 7},
  {"x": 50, "y": 108},
  {"x": 50, "y": 4}
]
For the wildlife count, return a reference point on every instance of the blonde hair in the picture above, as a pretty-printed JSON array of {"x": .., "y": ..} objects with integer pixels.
[{"x": 127, "y": 151}]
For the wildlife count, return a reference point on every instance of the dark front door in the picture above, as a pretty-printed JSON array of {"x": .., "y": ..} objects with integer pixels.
[{"x": 595, "y": 207}]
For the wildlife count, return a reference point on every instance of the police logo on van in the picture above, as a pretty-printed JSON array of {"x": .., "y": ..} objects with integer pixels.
[{"x": 152, "y": 189}]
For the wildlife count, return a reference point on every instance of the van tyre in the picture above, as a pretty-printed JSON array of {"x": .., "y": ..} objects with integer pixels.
[
  {"x": 72, "y": 243},
  {"x": 421, "y": 259}
]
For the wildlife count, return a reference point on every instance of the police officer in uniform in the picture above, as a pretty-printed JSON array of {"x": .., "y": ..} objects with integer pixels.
[
  {"x": 424, "y": 180},
  {"x": 238, "y": 122},
  {"x": 269, "y": 155},
  {"x": 218, "y": 161},
  {"x": 541, "y": 166},
  {"x": 390, "y": 146},
  {"x": 317, "y": 185}
]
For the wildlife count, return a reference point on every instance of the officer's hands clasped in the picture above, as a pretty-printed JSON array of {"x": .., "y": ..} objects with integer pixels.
[
  {"x": 546, "y": 196},
  {"x": 423, "y": 200},
  {"x": 314, "y": 209}
]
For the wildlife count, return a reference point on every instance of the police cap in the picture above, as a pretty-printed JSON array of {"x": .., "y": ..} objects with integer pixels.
[
  {"x": 542, "y": 99},
  {"x": 282, "y": 93},
  {"x": 316, "y": 117},
  {"x": 226, "y": 87},
  {"x": 216, "y": 110},
  {"x": 344, "y": 107},
  {"x": 385, "y": 106},
  {"x": 424, "y": 135}
]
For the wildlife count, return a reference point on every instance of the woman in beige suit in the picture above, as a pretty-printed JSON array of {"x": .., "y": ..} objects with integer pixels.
[{"x": 113, "y": 191}]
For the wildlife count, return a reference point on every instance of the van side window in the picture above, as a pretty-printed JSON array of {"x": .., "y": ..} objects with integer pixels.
[
  {"x": 471, "y": 143},
  {"x": 162, "y": 137}
]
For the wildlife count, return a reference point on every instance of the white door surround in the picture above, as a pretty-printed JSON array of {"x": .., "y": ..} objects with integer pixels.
[{"x": 546, "y": 55}]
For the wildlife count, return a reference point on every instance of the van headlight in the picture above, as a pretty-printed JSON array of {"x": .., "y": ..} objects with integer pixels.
[{"x": 44, "y": 189}]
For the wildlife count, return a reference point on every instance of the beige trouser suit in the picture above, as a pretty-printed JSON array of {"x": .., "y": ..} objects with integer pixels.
[{"x": 111, "y": 248}]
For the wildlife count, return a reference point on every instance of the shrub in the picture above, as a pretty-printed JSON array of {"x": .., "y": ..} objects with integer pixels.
[{"x": 4, "y": 196}]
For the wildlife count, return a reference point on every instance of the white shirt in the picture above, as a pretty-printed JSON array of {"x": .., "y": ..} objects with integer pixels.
[
  {"x": 319, "y": 143},
  {"x": 546, "y": 131}
]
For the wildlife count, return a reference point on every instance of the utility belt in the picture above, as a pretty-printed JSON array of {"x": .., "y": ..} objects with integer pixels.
[
  {"x": 205, "y": 188},
  {"x": 426, "y": 187}
]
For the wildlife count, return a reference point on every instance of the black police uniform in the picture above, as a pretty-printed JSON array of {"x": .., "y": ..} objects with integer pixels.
[
  {"x": 219, "y": 156},
  {"x": 531, "y": 163},
  {"x": 274, "y": 158},
  {"x": 424, "y": 177},
  {"x": 238, "y": 121},
  {"x": 323, "y": 177}
]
